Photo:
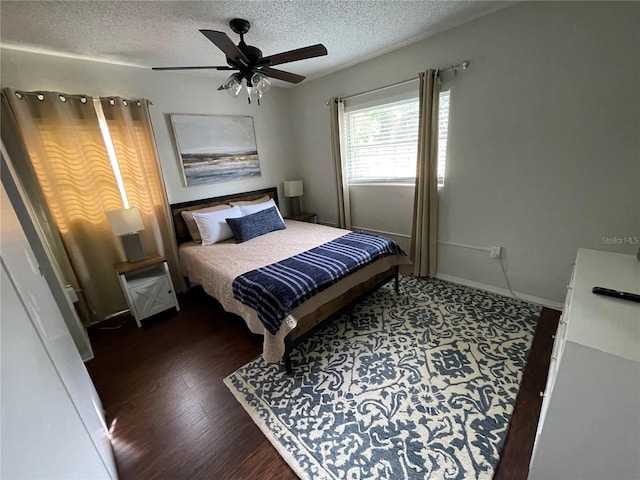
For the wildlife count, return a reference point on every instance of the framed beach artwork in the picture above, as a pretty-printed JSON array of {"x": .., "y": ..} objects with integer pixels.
[{"x": 216, "y": 148}]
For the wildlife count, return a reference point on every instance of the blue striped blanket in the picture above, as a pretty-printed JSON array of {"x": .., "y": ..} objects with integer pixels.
[{"x": 276, "y": 290}]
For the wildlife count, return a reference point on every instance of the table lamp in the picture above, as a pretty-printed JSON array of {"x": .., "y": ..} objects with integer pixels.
[
  {"x": 126, "y": 223},
  {"x": 293, "y": 190}
]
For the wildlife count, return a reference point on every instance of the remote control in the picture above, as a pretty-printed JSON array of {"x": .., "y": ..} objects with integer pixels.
[{"x": 609, "y": 292}]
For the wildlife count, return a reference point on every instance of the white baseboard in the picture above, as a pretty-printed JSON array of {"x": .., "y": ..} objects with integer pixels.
[
  {"x": 501, "y": 291},
  {"x": 86, "y": 357}
]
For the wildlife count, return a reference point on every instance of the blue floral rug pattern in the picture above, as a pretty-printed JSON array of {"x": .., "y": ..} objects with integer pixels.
[{"x": 420, "y": 384}]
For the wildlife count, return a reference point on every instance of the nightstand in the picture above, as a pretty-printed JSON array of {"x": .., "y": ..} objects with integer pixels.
[
  {"x": 304, "y": 217},
  {"x": 147, "y": 286}
]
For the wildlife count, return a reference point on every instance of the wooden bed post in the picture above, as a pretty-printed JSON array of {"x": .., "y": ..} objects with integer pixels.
[
  {"x": 348, "y": 321},
  {"x": 286, "y": 357},
  {"x": 396, "y": 280}
]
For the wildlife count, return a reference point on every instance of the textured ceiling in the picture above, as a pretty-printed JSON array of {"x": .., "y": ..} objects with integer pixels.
[{"x": 165, "y": 33}]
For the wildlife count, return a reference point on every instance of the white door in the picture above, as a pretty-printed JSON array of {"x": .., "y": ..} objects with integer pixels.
[{"x": 50, "y": 425}]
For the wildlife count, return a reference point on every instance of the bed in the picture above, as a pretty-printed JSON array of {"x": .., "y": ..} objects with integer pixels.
[{"x": 215, "y": 267}]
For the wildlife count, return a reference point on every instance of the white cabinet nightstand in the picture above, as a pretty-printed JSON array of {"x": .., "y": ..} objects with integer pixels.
[
  {"x": 304, "y": 217},
  {"x": 147, "y": 287}
]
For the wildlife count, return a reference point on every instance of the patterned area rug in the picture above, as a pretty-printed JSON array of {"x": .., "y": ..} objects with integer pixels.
[{"x": 420, "y": 384}]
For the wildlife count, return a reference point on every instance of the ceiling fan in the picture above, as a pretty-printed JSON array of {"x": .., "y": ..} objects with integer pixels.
[{"x": 252, "y": 67}]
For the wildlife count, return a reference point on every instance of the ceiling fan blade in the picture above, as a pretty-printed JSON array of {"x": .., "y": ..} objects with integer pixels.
[
  {"x": 282, "y": 75},
  {"x": 224, "y": 43},
  {"x": 225, "y": 67},
  {"x": 294, "y": 55}
]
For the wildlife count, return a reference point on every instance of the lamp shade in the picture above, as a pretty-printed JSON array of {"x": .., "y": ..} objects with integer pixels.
[
  {"x": 293, "y": 188},
  {"x": 125, "y": 221},
  {"x": 233, "y": 85}
]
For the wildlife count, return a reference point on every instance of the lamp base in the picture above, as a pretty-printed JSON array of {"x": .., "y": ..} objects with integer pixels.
[
  {"x": 133, "y": 247},
  {"x": 294, "y": 204}
]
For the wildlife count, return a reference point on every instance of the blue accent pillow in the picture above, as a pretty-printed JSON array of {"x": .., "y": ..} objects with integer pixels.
[{"x": 255, "y": 224}]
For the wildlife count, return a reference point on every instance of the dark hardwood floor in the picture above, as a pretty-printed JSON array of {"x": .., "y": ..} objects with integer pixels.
[
  {"x": 516, "y": 453},
  {"x": 172, "y": 417}
]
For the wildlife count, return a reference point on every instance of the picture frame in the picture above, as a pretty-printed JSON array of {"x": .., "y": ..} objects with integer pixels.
[{"x": 215, "y": 148}]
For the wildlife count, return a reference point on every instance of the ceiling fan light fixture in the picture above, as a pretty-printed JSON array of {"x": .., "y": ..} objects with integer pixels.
[
  {"x": 260, "y": 82},
  {"x": 257, "y": 86},
  {"x": 254, "y": 69},
  {"x": 233, "y": 85}
]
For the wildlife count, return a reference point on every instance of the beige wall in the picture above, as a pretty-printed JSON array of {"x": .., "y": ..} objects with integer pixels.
[{"x": 544, "y": 149}]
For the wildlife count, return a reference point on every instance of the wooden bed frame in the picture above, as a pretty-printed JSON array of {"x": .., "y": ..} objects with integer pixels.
[{"x": 309, "y": 323}]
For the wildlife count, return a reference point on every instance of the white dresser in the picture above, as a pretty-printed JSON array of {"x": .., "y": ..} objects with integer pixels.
[{"x": 589, "y": 425}]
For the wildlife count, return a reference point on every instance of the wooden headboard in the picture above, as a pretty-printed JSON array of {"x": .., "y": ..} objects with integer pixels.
[{"x": 180, "y": 227}]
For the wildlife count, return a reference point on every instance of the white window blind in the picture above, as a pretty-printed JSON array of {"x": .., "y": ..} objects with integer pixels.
[{"x": 381, "y": 142}]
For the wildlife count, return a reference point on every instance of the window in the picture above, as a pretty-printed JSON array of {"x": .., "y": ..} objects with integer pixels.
[{"x": 381, "y": 142}]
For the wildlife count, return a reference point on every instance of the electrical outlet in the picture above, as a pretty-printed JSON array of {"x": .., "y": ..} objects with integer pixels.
[
  {"x": 71, "y": 293},
  {"x": 496, "y": 252}
]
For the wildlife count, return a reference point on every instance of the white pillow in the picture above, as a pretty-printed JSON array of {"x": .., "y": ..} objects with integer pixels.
[
  {"x": 191, "y": 223},
  {"x": 213, "y": 226},
  {"x": 249, "y": 209}
]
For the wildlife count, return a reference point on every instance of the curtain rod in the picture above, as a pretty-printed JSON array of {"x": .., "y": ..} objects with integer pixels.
[
  {"x": 379, "y": 89},
  {"x": 452, "y": 68}
]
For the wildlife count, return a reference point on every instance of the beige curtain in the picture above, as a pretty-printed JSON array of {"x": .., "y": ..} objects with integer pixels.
[
  {"x": 45, "y": 224},
  {"x": 134, "y": 144},
  {"x": 68, "y": 156},
  {"x": 337, "y": 115},
  {"x": 425, "y": 205}
]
